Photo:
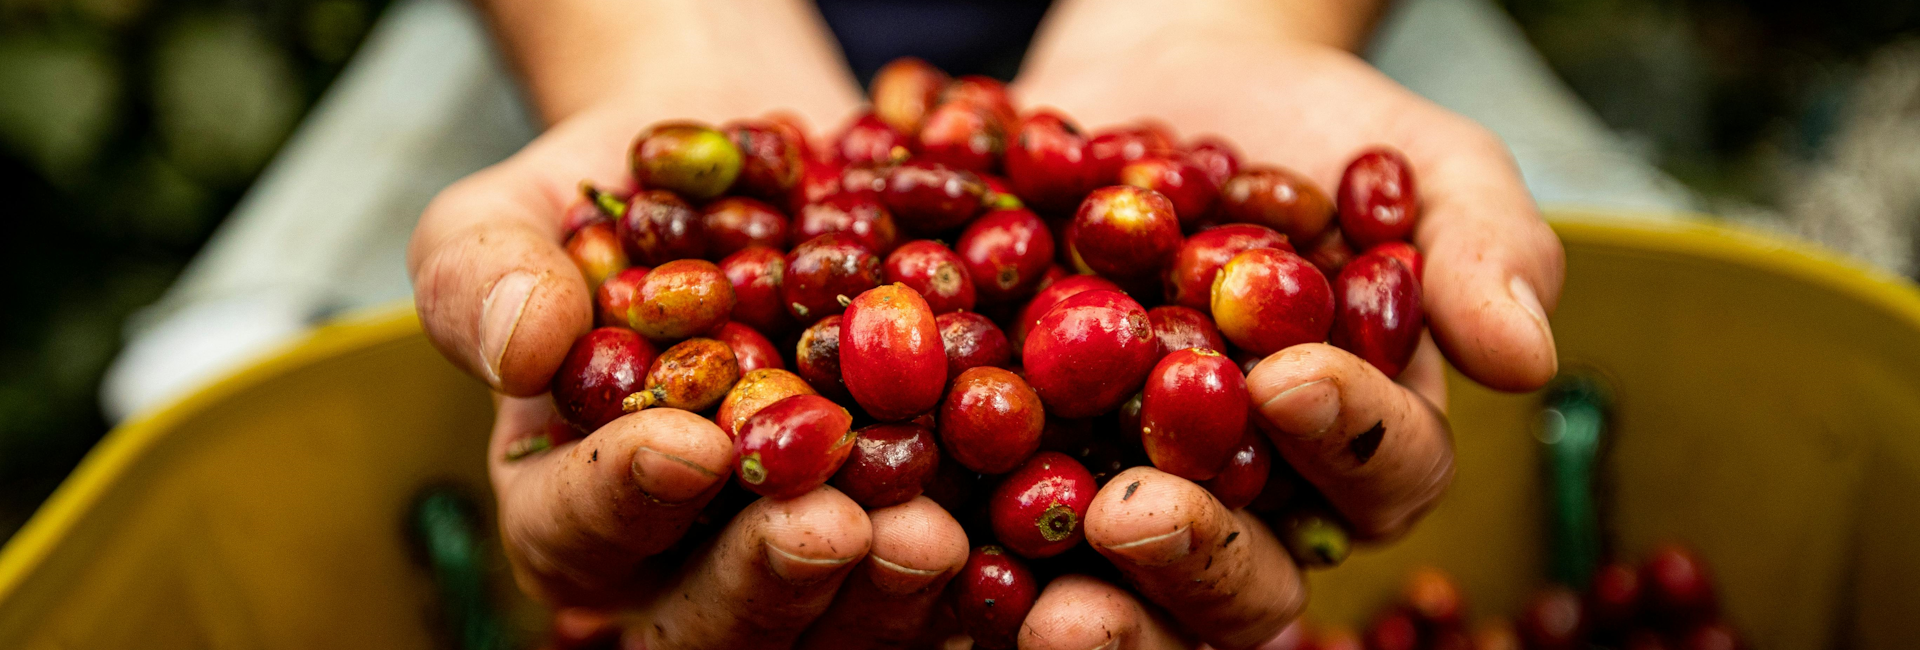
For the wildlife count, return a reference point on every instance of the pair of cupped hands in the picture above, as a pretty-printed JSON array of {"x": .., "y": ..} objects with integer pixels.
[{"x": 585, "y": 523}]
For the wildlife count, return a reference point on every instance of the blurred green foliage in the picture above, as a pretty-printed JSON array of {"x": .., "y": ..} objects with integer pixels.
[{"x": 128, "y": 129}]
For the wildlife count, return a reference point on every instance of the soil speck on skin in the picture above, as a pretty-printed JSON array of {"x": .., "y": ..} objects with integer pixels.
[
  {"x": 1365, "y": 444},
  {"x": 594, "y": 457},
  {"x": 1130, "y": 488},
  {"x": 1230, "y": 537}
]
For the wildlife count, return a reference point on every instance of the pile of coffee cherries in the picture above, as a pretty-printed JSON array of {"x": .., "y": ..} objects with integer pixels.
[
  {"x": 994, "y": 309},
  {"x": 1668, "y": 602}
]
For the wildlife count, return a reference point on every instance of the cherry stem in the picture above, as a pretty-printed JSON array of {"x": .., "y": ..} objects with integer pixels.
[
  {"x": 606, "y": 201},
  {"x": 642, "y": 400}
]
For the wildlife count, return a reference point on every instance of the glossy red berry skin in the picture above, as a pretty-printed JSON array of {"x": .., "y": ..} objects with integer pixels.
[
  {"x": 1267, "y": 299},
  {"x": 792, "y": 446},
  {"x": 1406, "y": 253},
  {"x": 1329, "y": 252},
  {"x": 889, "y": 465},
  {"x": 1007, "y": 252},
  {"x": 770, "y": 158},
  {"x": 1123, "y": 232},
  {"x": 1277, "y": 198},
  {"x": 658, "y": 227},
  {"x": 991, "y": 597},
  {"x": 1048, "y": 163},
  {"x": 736, "y": 222},
  {"x": 757, "y": 274},
  {"x": 1553, "y": 620},
  {"x": 1089, "y": 353},
  {"x": 1193, "y": 413},
  {"x": 984, "y": 93},
  {"x": 755, "y": 390},
  {"x": 933, "y": 270},
  {"x": 972, "y": 341},
  {"x": 1244, "y": 476},
  {"x": 904, "y": 91},
  {"x": 751, "y": 349},
  {"x": 869, "y": 140},
  {"x": 1189, "y": 278},
  {"x": 1216, "y": 157},
  {"x": 1112, "y": 149},
  {"x": 930, "y": 197},
  {"x": 1378, "y": 200},
  {"x": 1037, "y": 509},
  {"x": 821, "y": 270},
  {"x": 615, "y": 297},
  {"x": 1183, "y": 183},
  {"x": 817, "y": 358},
  {"x": 1050, "y": 297},
  {"x": 597, "y": 250},
  {"x": 693, "y": 375},
  {"x": 681, "y": 298},
  {"x": 819, "y": 179},
  {"x": 794, "y": 129},
  {"x": 962, "y": 136},
  {"x": 1178, "y": 328},
  {"x": 1377, "y": 312},
  {"x": 1677, "y": 585},
  {"x": 855, "y": 214},
  {"x": 891, "y": 356},
  {"x": 991, "y": 420},
  {"x": 599, "y": 371}
]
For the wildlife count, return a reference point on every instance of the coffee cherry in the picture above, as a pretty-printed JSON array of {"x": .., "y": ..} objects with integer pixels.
[
  {"x": 681, "y": 298},
  {"x": 770, "y": 158},
  {"x": 1190, "y": 275},
  {"x": 596, "y": 249},
  {"x": 1277, "y": 198},
  {"x": 1329, "y": 252},
  {"x": 615, "y": 296},
  {"x": 1377, "y": 312},
  {"x": 1038, "y": 508},
  {"x": 1183, "y": 183},
  {"x": 1613, "y": 598},
  {"x": 822, "y": 270},
  {"x": 594, "y": 205},
  {"x": 971, "y": 341},
  {"x": 819, "y": 179},
  {"x": 931, "y": 197},
  {"x": 857, "y": 215},
  {"x": 961, "y": 136},
  {"x": 865, "y": 178},
  {"x": 691, "y": 376},
  {"x": 817, "y": 358},
  {"x": 1178, "y": 328},
  {"x": 1089, "y": 353},
  {"x": 986, "y": 94},
  {"x": 1314, "y": 538},
  {"x": 991, "y": 420},
  {"x": 689, "y": 159},
  {"x": 1123, "y": 232},
  {"x": 794, "y": 130},
  {"x": 991, "y": 597},
  {"x": 1050, "y": 297},
  {"x": 1406, "y": 253},
  {"x": 1394, "y": 631},
  {"x": 750, "y": 349},
  {"x": 1193, "y": 413},
  {"x": 1007, "y": 253},
  {"x": 755, "y": 391},
  {"x": 757, "y": 274},
  {"x": 792, "y": 446},
  {"x": 1433, "y": 597},
  {"x": 1047, "y": 162},
  {"x": 1553, "y": 620},
  {"x": 1677, "y": 586},
  {"x": 600, "y": 370},
  {"x": 1268, "y": 299},
  {"x": 1378, "y": 200},
  {"x": 1711, "y": 636},
  {"x": 736, "y": 222},
  {"x": 1216, "y": 157},
  {"x": 933, "y": 270},
  {"x": 870, "y": 140},
  {"x": 890, "y": 464},
  {"x": 904, "y": 91},
  {"x": 891, "y": 357},
  {"x": 1244, "y": 476},
  {"x": 658, "y": 227},
  {"x": 1111, "y": 149}
]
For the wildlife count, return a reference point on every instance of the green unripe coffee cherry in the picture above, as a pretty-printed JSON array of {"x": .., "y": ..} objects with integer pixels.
[{"x": 689, "y": 159}]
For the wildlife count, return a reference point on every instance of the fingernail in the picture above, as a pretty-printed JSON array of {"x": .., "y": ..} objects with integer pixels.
[
  {"x": 802, "y": 570},
  {"x": 898, "y": 579},
  {"x": 500, "y": 316},
  {"x": 670, "y": 479},
  {"x": 1528, "y": 300},
  {"x": 1310, "y": 409},
  {"x": 1158, "y": 550}
]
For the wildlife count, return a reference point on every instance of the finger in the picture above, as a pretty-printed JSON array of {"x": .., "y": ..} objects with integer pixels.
[
  {"x": 766, "y": 578},
  {"x": 891, "y": 596},
  {"x": 1221, "y": 574},
  {"x": 1081, "y": 613},
  {"x": 1493, "y": 267},
  {"x": 1379, "y": 452},
  {"x": 578, "y": 519}
]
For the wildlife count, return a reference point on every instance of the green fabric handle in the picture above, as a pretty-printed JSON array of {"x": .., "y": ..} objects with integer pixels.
[{"x": 1572, "y": 429}]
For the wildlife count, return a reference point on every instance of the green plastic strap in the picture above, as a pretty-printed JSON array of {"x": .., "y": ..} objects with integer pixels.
[
  {"x": 1572, "y": 429},
  {"x": 446, "y": 528}
]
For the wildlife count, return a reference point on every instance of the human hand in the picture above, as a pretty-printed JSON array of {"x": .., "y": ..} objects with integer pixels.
[{"x": 1379, "y": 449}]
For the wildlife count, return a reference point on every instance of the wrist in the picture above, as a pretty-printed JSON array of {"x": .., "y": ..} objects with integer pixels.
[{"x": 1083, "y": 34}]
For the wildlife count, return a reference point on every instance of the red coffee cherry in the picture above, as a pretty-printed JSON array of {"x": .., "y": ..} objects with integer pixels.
[
  {"x": 933, "y": 270},
  {"x": 1111, "y": 149},
  {"x": 658, "y": 227},
  {"x": 770, "y": 158},
  {"x": 1048, "y": 163},
  {"x": 1378, "y": 201},
  {"x": 1377, "y": 312},
  {"x": 1553, "y": 620},
  {"x": 1007, "y": 253},
  {"x": 755, "y": 391},
  {"x": 1050, "y": 297},
  {"x": 1089, "y": 353},
  {"x": 596, "y": 249},
  {"x": 750, "y": 349},
  {"x": 1614, "y": 597},
  {"x": 1268, "y": 299},
  {"x": 681, "y": 298},
  {"x": 819, "y": 179},
  {"x": 1123, "y": 232},
  {"x": 1406, "y": 253},
  {"x": 817, "y": 358},
  {"x": 1329, "y": 252},
  {"x": 984, "y": 93},
  {"x": 1277, "y": 198},
  {"x": 1245, "y": 475},
  {"x": 904, "y": 91},
  {"x": 962, "y": 136},
  {"x": 1193, "y": 413},
  {"x": 600, "y": 370},
  {"x": 930, "y": 197},
  {"x": 891, "y": 356},
  {"x": 1190, "y": 275},
  {"x": 869, "y": 140},
  {"x": 757, "y": 274},
  {"x": 1677, "y": 585},
  {"x": 890, "y": 464},
  {"x": 856, "y": 214},
  {"x": 1038, "y": 508},
  {"x": 691, "y": 376},
  {"x": 1395, "y": 630},
  {"x": 1178, "y": 328},
  {"x": 822, "y": 270},
  {"x": 1219, "y": 159},
  {"x": 992, "y": 595},
  {"x": 991, "y": 420},
  {"x": 1433, "y": 597},
  {"x": 972, "y": 341},
  {"x": 615, "y": 297},
  {"x": 1183, "y": 183},
  {"x": 792, "y": 446},
  {"x": 736, "y": 222}
]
